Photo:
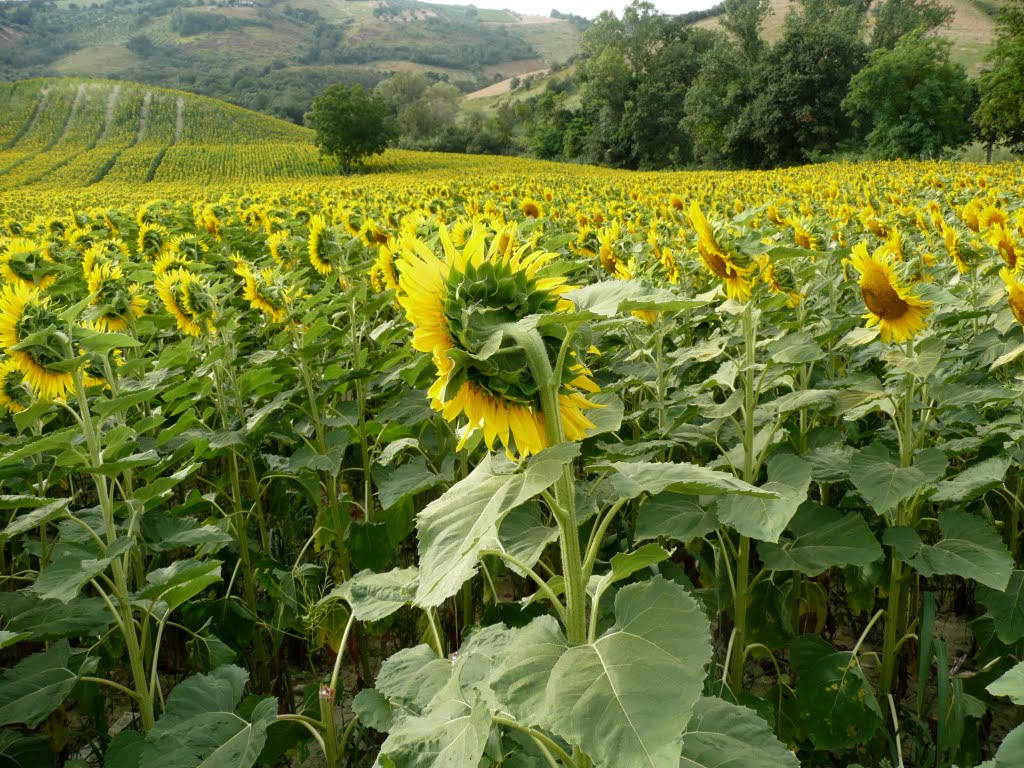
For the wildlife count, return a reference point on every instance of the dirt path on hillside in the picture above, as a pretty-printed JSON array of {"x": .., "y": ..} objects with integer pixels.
[
  {"x": 71, "y": 115},
  {"x": 179, "y": 120},
  {"x": 502, "y": 87},
  {"x": 108, "y": 118},
  {"x": 143, "y": 116}
]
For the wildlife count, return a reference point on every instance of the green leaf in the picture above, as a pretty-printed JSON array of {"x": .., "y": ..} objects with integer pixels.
[
  {"x": 633, "y": 479},
  {"x": 412, "y": 677},
  {"x": 101, "y": 343},
  {"x": 724, "y": 734},
  {"x": 789, "y": 477},
  {"x": 49, "y": 443},
  {"x": 374, "y": 710},
  {"x": 607, "y": 418},
  {"x": 64, "y": 578},
  {"x": 452, "y": 734},
  {"x": 164, "y": 533},
  {"x": 180, "y": 581},
  {"x": 37, "y": 685},
  {"x": 52, "y": 619},
  {"x": 969, "y": 547},
  {"x": 411, "y": 478},
  {"x": 795, "y": 349},
  {"x": 974, "y": 481},
  {"x": 375, "y": 596},
  {"x": 524, "y": 536},
  {"x": 805, "y": 398},
  {"x": 821, "y": 538},
  {"x": 124, "y": 750},
  {"x": 8, "y": 501},
  {"x": 455, "y": 528},
  {"x": 35, "y": 518},
  {"x": 626, "y": 698},
  {"x": 1011, "y": 684},
  {"x": 1011, "y": 752},
  {"x": 1006, "y": 608},
  {"x": 625, "y": 564},
  {"x": 882, "y": 483},
  {"x": 612, "y": 297},
  {"x": 199, "y": 728},
  {"x": 834, "y": 701},
  {"x": 11, "y": 638},
  {"x": 520, "y": 680},
  {"x": 674, "y": 516}
]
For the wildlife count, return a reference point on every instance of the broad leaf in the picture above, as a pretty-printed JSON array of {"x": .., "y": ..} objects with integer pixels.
[
  {"x": 633, "y": 479},
  {"x": 30, "y": 520},
  {"x": 520, "y": 680},
  {"x": 455, "y": 528},
  {"x": 626, "y": 698},
  {"x": 969, "y": 547},
  {"x": 674, "y": 516},
  {"x": 789, "y": 477},
  {"x": 884, "y": 484},
  {"x": 199, "y": 728},
  {"x": 1011, "y": 752},
  {"x": 835, "y": 703},
  {"x": 36, "y": 686},
  {"x": 164, "y": 533},
  {"x": 179, "y": 582},
  {"x": 375, "y": 596},
  {"x": 611, "y": 297},
  {"x": 1010, "y": 684},
  {"x": 54, "y": 619},
  {"x": 724, "y": 734},
  {"x": 412, "y": 677},
  {"x": 973, "y": 481},
  {"x": 821, "y": 537},
  {"x": 524, "y": 536},
  {"x": 64, "y": 578},
  {"x": 1006, "y": 608},
  {"x": 452, "y": 734},
  {"x": 411, "y": 478}
]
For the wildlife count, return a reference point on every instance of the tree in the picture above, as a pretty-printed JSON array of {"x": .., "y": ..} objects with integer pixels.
[
  {"x": 350, "y": 124},
  {"x": 1000, "y": 115},
  {"x": 896, "y": 18},
  {"x": 916, "y": 100}
]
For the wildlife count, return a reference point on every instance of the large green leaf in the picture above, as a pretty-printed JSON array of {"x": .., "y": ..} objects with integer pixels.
[
  {"x": 1011, "y": 752},
  {"x": 412, "y": 677},
  {"x": 884, "y": 484},
  {"x": 53, "y": 619},
  {"x": 969, "y": 547},
  {"x": 520, "y": 679},
  {"x": 1006, "y": 608},
  {"x": 1011, "y": 684},
  {"x": 633, "y": 479},
  {"x": 164, "y": 533},
  {"x": 42, "y": 514},
  {"x": 33, "y": 688},
  {"x": 455, "y": 528},
  {"x": 724, "y": 734},
  {"x": 835, "y": 703},
  {"x": 820, "y": 538},
  {"x": 610, "y": 297},
  {"x": 375, "y": 596},
  {"x": 411, "y": 478},
  {"x": 973, "y": 481},
  {"x": 626, "y": 698},
  {"x": 180, "y": 581},
  {"x": 765, "y": 519},
  {"x": 675, "y": 516},
  {"x": 524, "y": 536},
  {"x": 200, "y": 729},
  {"x": 64, "y": 578}
]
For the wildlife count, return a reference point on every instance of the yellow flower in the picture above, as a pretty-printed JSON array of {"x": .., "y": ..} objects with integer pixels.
[
  {"x": 532, "y": 209},
  {"x": 113, "y": 306},
  {"x": 456, "y": 303},
  {"x": 13, "y": 395},
  {"x": 893, "y": 307},
  {"x": 1001, "y": 238},
  {"x": 1016, "y": 294},
  {"x": 716, "y": 260},
  {"x": 319, "y": 245},
  {"x": 264, "y": 290},
  {"x": 27, "y": 263},
  {"x": 952, "y": 239},
  {"x": 186, "y": 296},
  {"x": 24, "y": 313}
]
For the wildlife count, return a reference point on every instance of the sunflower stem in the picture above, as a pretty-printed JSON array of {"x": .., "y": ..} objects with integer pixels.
[{"x": 565, "y": 490}]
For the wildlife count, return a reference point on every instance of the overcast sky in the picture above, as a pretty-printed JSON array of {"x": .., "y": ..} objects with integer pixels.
[{"x": 588, "y": 8}]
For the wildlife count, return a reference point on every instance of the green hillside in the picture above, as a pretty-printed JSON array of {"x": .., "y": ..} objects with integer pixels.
[
  {"x": 275, "y": 55},
  {"x": 77, "y": 133}
]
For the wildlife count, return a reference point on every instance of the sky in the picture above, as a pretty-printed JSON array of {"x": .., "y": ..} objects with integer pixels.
[{"x": 588, "y": 8}]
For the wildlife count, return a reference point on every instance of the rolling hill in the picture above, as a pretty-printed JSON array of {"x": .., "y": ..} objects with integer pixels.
[
  {"x": 77, "y": 133},
  {"x": 275, "y": 55}
]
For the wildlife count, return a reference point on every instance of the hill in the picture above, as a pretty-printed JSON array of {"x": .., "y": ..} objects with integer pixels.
[
  {"x": 66, "y": 133},
  {"x": 972, "y": 28},
  {"x": 275, "y": 55}
]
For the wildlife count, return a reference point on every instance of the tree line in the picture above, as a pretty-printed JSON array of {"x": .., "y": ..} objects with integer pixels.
[{"x": 652, "y": 91}]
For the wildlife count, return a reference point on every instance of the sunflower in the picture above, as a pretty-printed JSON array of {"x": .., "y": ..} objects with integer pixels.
[
  {"x": 25, "y": 314},
  {"x": 113, "y": 306},
  {"x": 779, "y": 279},
  {"x": 608, "y": 251},
  {"x": 893, "y": 307},
  {"x": 320, "y": 241},
  {"x": 1016, "y": 294},
  {"x": 716, "y": 260},
  {"x": 280, "y": 250},
  {"x": 532, "y": 209},
  {"x": 13, "y": 394},
  {"x": 27, "y": 263},
  {"x": 1001, "y": 238},
  {"x": 951, "y": 236},
  {"x": 151, "y": 241},
  {"x": 382, "y": 274},
  {"x": 103, "y": 252},
  {"x": 187, "y": 297},
  {"x": 264, "y": 290},
  {"x": 456, "y": 304}
]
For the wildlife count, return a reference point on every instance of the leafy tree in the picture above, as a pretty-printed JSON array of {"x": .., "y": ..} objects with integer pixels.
[
  {"x": 915, "y": 98},
  {"x": 1000, "y": 115},
  {"x": 744, "y": 19},
  {"x": 896, "y": 18},
  {"x": 350, "y": 124}
]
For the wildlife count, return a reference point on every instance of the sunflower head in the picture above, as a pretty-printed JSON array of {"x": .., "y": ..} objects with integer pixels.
[
  {"x": 189, "y": 299},
  {"x": 459, "y": 305},
  {"x": 28, "y": 263},
  {"x": 898, "y": 312},
  {"x": 14, "y": 395},
  {"x": 717, "y": 260},
  {"x": 531, "y": 209},
  {"x": 152, "y": 240},
  {"x": 1016, "y": 294},
  {"x": 31, "y": 336}
]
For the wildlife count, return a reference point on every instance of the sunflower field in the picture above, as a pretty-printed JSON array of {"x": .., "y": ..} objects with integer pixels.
[{"x": 487, "y": 462}]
